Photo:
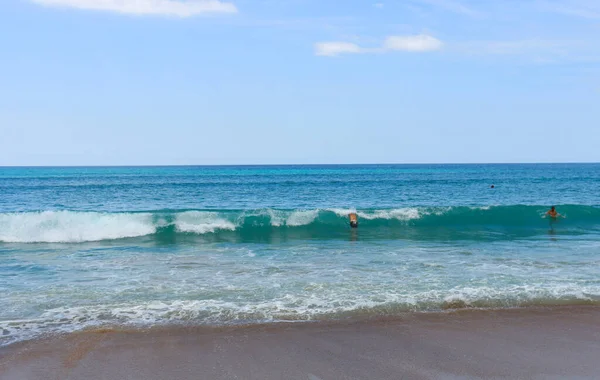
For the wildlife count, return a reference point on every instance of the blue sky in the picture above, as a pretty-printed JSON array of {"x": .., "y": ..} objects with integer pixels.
[{"x": 118, "y": 82}]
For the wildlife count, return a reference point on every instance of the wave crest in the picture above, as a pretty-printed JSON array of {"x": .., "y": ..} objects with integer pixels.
[
  {"x": 67, "y": 226},
  {"x": 202, "y": 222},
  {"x": 408, "y": 222}
]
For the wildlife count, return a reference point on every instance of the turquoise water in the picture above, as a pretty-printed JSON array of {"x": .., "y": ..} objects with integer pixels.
[{"x": 140, "y": 246}]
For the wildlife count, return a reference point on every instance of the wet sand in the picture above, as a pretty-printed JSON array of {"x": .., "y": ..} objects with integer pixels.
[{"x": 534, "y": 343}]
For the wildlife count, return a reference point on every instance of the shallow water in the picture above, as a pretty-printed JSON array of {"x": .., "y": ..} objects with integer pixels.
[{"x": 219, "y": 245}]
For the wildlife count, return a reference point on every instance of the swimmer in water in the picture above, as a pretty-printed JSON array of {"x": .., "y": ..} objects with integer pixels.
[
  {"x": 353, "y": 220},
  {"x": 553, "y": 213}
]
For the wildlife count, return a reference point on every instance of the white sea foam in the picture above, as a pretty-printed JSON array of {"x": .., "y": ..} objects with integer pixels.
[
  {"x": 201, "y": 222},
  {"x": 319, "y": 303},
  {"x": 402, "y": 214},
  {"x": 277, "y": 217},
  {"x": 72, "y": 227},
  {"x": 301, "y": 218}
]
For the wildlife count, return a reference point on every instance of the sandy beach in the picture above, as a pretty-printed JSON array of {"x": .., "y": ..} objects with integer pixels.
[{"x": 532, "y": 343}]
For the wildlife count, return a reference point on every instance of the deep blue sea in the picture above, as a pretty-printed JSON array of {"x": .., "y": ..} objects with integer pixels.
[{"x": 142, "y": 246}]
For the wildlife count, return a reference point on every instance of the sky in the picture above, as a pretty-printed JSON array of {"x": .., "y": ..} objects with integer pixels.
[{"x": 168, "y": 82}]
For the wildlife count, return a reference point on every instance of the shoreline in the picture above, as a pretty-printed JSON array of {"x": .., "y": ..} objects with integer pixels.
[{"x": 533, "y": 342}]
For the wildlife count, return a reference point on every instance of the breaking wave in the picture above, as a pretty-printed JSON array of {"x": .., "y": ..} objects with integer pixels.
[{"x": 77, "y": 227}]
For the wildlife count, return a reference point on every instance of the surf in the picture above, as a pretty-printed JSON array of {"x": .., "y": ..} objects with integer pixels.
[{"x": 395, "y": 223}]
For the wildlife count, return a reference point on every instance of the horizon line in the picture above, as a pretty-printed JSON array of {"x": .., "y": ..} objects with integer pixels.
[{"x": 297, "y": 164}]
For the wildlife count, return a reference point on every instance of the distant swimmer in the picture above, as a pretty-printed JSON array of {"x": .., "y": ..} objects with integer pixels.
[
  {"x": 492, "y": 187},
  {"x": 353, "y": 220},
  {"x": 553, "y": 213}
]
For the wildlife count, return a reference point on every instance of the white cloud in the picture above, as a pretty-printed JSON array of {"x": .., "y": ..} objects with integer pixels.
[
  {"x": 378, "y": 5},
  {"x": 421, "y": 42},
  {"x": 147, "y": 7},
  {"x": 331, "y": 49},
  {"x": 417, "y": 43}
]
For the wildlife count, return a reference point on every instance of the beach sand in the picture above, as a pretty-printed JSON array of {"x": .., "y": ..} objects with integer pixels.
[{"x": 530, "y": 343}]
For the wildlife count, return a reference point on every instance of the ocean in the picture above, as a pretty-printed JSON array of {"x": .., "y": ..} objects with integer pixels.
[{"x": 227, "y": 245}]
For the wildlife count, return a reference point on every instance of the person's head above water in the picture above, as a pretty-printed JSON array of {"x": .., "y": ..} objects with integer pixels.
[
  {"x": 553, "y": 213},
  {"x": 353, "y": 220}
]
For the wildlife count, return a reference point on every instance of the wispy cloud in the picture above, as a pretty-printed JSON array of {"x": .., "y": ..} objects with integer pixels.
[
  {"x": 579, "y": 8},
  {"x": 378, "y": 5},
  {"x": 451, "y": 6},
  {"x": 331, "y": 49},
  {"x": 147, "y": 7},
  {"x": 417, "y": 43},
  {"x": 532, "y": 50}
]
